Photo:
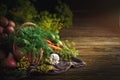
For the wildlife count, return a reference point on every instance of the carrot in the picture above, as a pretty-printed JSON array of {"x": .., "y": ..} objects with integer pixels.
[
  {"x": 48, "y": 41},
  {"x": 54, "y": 47}
]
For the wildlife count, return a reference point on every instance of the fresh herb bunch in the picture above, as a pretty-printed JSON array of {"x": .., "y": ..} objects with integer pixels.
[
  {"x": 49, "y": 21},
  {"x": 44, "y": 68},
  {"x": 23, "y": 64},
  {"x": 31, "y": 39},
  {"x": 22, "y": 11},
  {"x": 64, "y": 13},
  {"x": 68, "y": 51},
  {"x": 52, "y": 36}
]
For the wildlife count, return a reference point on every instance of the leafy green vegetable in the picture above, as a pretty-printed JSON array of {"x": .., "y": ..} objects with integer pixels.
[
  {"x": 49, "y": 21},
  {"x": 64, "y": 13},
  {"x": 22, "y": 11},
  {"x": 31, "y": 39}
]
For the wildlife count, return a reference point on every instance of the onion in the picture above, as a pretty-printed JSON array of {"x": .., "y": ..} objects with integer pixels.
[
  {"x": 3, "y": 21},
  {"x": 10, "y": 61},
  {"x": 9, "y": 29},
  {"x": 11, "y": 23}
]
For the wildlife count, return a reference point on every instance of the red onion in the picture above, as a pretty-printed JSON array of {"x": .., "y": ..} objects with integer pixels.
[
  {"x": 9, "y": 29},
  {"x": 3, "y": 21},
  {"x": 11, "y": 23},
  {"x": 10, "y": 61}
]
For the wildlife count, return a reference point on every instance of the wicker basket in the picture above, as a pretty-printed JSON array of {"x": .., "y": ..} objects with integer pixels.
[
  {"x": 61, "y": 67},
  {"x": 16, "y": 49}
]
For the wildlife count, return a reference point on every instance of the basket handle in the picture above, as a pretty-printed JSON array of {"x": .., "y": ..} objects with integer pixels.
[{"x": 27, "y": 24}]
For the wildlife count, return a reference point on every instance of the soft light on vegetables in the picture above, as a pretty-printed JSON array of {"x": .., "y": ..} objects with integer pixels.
[
  {"x": 9, "y": 29},
  {"x": 11, "y": 23},
  {"x": 6, "y": 27}
]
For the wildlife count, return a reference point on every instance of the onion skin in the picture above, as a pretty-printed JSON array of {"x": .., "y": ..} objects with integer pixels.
[
  {"x": 11, "y": 23},
  {"x": 9, "y": 29},
  {"x": 10, "y": 62}
]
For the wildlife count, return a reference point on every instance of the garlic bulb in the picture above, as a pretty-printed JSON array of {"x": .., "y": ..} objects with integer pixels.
[{"x": 54, "y": 58}]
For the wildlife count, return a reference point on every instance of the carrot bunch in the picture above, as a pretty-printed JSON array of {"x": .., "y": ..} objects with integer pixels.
[{"x": 51, "y": 45}]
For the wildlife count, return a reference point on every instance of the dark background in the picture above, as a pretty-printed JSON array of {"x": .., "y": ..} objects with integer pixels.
[
  {"x": 81, "y": 5},
  {"x": 76, "y": 5}
]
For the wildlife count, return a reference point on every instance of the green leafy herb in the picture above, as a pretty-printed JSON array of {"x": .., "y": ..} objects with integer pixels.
[
  {"x": 68, "y": 50},
  {"x": 31, "y": 39}
]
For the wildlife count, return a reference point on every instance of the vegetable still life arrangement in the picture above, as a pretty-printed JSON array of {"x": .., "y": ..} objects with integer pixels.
[{"x": 29, "y": 48}]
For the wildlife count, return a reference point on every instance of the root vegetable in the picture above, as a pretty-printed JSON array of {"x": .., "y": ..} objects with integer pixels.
[
  {"x": 54, "y": 47},
  {"x": 51, "y": 45},
  {"x": 48, "y": 41},
  {"x": 9, "y": 29},
  {"x": 11, "y": 23},
  {"x": 3, "y": 21},
  {"x": 10, "y": 61}
]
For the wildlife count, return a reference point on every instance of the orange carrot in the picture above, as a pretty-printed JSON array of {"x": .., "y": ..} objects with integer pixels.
[
  {"x": 54, "y": 47},
  {"x": 48, "y": 41}
]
